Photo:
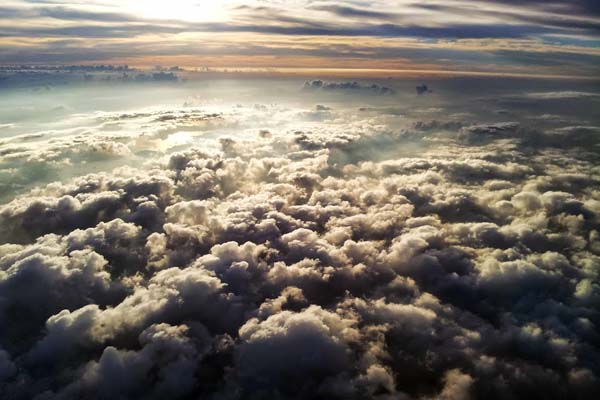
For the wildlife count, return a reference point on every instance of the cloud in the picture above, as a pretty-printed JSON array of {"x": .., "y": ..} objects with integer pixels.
[
  {"x": 497, "y": 36},
  {"x": 317, "y": 339},
  {"x": 561, "y": 95},
  {"x": 436, "y": 251},
  {"x": 7, "y": 367},
  {"x": 457, "y": 386},
  {"x": 348, "y": 86},
  {"x": 166, "y": 350}
]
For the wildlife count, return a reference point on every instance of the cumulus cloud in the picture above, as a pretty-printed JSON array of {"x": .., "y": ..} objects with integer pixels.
[{"x": 323, "y": 261}]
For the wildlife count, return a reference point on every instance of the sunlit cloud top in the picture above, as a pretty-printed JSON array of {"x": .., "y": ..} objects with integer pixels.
[{"x": 554, "y": 37}]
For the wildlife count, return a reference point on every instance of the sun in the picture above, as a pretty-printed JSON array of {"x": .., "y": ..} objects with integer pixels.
[{"x": 184, "y": 10}]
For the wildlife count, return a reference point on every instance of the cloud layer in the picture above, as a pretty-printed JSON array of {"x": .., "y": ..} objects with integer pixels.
[
  {"x": 528, "y": 37},
  {"x": 457, "y": 257}
]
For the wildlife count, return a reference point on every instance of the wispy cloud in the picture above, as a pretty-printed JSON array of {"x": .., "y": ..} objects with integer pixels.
[{"x": 150, "y": 28}]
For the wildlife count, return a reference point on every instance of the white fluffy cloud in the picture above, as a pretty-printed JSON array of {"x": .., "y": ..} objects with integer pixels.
[{"x": 316, "y": 263}]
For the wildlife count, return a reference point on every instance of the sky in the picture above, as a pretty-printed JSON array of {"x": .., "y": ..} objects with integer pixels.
[{"x": 525, "y": 37}]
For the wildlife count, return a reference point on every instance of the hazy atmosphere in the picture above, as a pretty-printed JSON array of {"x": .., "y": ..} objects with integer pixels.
[{"x": 226, "y": 200}]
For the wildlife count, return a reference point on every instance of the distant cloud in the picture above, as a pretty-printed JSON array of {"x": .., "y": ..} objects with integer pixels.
[
  {"x": 348, "y": 86},
  {"x": 561, "y": 95},
  {"x": 422, "y": 89}
]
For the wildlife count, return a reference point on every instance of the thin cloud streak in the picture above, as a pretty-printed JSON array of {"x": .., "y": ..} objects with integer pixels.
[{"x": 139, "y": 30}]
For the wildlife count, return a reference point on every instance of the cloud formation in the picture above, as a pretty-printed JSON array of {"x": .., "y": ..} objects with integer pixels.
[
  {"x": 343, "y": 256},
  {"x": 492, "y": 36},
  {"x": 348, "y": 86}
]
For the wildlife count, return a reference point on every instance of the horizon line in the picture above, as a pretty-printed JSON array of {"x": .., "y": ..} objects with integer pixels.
[{"x": 313, "y": 71}]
